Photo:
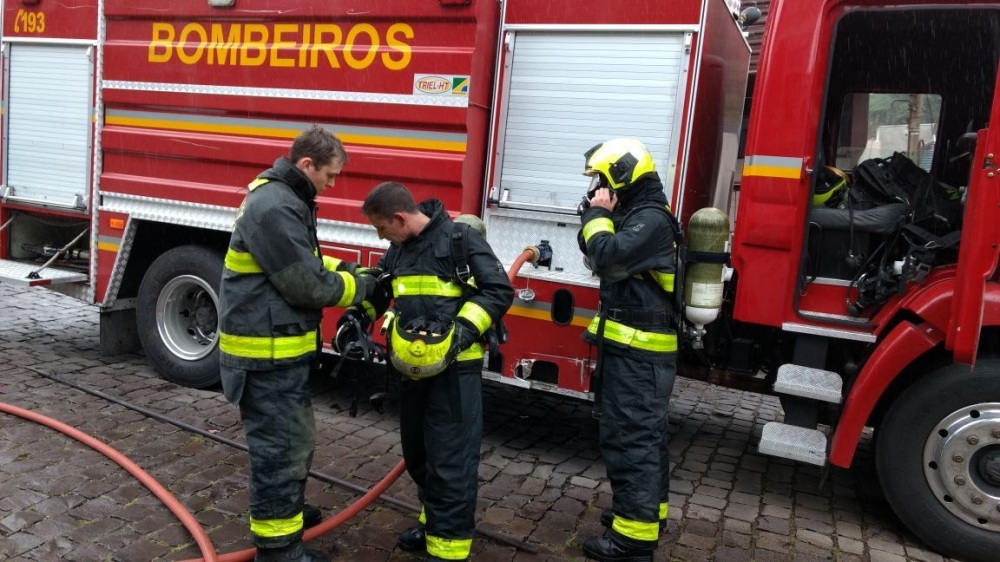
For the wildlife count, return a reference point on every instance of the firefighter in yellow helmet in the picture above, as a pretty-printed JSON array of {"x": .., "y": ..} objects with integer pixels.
[
  {"x": 628, "y": 239},
  {"x": 448, "y": 288}
]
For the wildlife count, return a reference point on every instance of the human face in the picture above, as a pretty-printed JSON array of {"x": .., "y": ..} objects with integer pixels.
[
  {"x": 392, "y": 229},
  {"x": 322, "y": 177}
]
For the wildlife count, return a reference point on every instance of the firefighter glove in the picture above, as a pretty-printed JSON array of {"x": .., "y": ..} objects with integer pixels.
[
  {"x": 465, "y": 335},
  {"x": 366, "y": 287},
  {"x": 373, "y": 271}
]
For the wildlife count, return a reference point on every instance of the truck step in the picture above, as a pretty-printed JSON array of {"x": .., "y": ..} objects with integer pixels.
[
  {"x": 808, "y": 382},
  {"x": 19, "y": 273},
  {"x": 793, "y": 442}
]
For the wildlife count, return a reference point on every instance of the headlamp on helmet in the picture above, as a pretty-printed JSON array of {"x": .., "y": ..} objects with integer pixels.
[{"x": 618, "y": 164}]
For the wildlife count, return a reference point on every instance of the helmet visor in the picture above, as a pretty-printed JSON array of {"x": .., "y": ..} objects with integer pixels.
[{"x": 596, "y": 182}]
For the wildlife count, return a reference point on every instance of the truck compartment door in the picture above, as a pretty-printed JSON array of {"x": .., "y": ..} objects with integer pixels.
[
  {"x": 977, "y": 257},
  {"x": 562, "y": 92},
  {"x": 48, "y": 124},
  {"x": 567, "y": 91}
]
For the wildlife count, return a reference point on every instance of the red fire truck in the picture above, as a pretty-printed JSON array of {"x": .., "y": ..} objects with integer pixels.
[{"x": 131, "y": 128}]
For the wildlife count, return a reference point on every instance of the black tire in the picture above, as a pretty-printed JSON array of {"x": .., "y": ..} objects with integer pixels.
[
  {"x": 178, "y": 315},
  {"x": 938, "y": 460}
]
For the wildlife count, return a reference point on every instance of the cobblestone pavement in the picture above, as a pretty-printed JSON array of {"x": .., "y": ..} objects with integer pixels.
[{"x": 541, "y": 479}]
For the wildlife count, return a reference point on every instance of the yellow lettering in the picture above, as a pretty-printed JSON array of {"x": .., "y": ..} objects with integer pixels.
[
  {"x": 319, "y": 45},
  {"x": 279, "y": 45},
  {"x": 404, "y": 49},
  {"x": 282, "y": 45},
  {"x": 352, "y": 36},
  {"x": 254, "y": 39},
  {"x": 221, "y": 45},
  {"x": 192, "y": 29},
  {"x": 306, "y": 29},
  {"x": 163, "y": 38}
]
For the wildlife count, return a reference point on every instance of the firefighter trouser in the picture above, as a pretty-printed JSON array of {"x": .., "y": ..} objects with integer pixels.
[
  {"x": 441, "y": 428},
  {"x": 636, "y": 394},
  {"x": 276, "y": 407}
]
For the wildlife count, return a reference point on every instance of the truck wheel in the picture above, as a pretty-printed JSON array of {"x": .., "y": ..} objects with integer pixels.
[
  {"x": 178, "y": 315},
  {"x": 938, "y": 460}
]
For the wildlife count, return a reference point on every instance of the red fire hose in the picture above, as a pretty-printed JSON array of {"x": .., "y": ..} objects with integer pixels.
[
  {"x": 531, "y": 253},
  {"x": 329, "y": 524},
  {"x": 200, "y": 537}
]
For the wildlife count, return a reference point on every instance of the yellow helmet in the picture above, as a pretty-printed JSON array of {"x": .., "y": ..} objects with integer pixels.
[
  {"x": 420, "y": 349},
  {"x": 620, "y": 162},
  {"x": 831, "y": 187}
]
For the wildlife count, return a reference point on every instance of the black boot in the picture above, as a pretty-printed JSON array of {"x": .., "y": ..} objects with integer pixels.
[
  {"x": 311, "y": 516},
  {"x": 606, "y": 549},
  {"x": 295, "y": 552},
  {"x": 608, "y": 517},
  {"x": 413, "y": 539}
]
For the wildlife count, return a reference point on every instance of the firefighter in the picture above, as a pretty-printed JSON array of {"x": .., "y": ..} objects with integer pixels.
[
  {"x": 435, "y": 334},
  {"x": 274, "y": 287},
  {"x": 628, "y": 241}
]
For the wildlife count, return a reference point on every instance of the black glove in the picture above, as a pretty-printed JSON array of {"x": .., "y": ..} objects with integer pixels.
[
  {"x": 365, "y": 287},
  {"x": 373, "y": 271},
  {"x": 464, "y": 336}
]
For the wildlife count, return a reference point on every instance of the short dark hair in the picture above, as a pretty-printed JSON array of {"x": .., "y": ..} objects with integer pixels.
[
  {"x": 319, "y": 144},
  {"x": 388, "y": 198}
]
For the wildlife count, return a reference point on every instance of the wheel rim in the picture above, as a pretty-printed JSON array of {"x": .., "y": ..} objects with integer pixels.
[
  {"x": 962, "y": 464},
  {"x": 187, "y": 317}
]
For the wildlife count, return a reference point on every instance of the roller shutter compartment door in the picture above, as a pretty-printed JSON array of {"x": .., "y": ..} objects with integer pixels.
[
  {"x": 569, "y": 91},
  {"x": 48, "y": 124}
]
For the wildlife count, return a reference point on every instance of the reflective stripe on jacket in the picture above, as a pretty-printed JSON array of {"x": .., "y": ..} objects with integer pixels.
[
  {"x": 275, "y": 284},
  {"x": 424, "y": 283},
  {"x": 633, "y": 254}
]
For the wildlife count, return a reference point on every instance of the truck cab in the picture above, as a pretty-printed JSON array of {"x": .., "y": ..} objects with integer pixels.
[{"x": 865, "y": 250}]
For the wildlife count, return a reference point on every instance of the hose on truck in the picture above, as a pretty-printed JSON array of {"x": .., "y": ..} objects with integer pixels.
[{"x": 530, "y": 253}]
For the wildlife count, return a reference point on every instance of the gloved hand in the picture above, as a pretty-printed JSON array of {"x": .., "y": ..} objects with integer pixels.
[
  {"x": 373, "y": 271},
  {"x": 464, "y": 336},
  {"x": 365, "y": 287}
]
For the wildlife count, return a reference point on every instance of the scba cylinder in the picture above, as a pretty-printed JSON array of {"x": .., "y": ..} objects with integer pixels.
[{"x": 708, "y": 232}]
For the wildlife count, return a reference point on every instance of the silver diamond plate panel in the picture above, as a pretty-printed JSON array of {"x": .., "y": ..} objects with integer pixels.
[
  {"x": 121, "y": 261},
  {"x": 509, "y": 231},
  {"x": 807, "y": 382},
  {"x": 79, "y": 291},
  {"x": 98, "y": 165},
  {"x": 792, "y": 442},
  {"x": 288, "y": 93},
  {"x": 16, "y": 273},
  {"x": 214, "y": 217}
]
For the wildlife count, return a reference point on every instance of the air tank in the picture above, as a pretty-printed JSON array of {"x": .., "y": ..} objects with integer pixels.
[{"x": 707, "y": 233}]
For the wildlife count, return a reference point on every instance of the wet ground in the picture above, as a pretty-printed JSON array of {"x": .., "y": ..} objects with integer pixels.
[{"x": 542, "y": 481}]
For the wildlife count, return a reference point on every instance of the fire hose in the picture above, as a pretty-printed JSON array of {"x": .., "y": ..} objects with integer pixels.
[
  {"x": 530, "y": 253},
  {"x": 178, "y": 509}
]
